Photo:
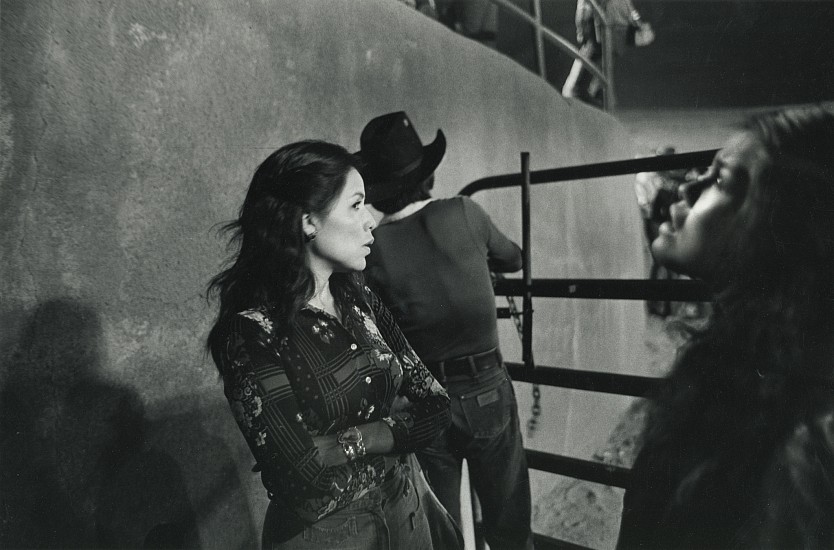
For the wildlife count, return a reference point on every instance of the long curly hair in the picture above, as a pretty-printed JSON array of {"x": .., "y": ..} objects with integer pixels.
[
  {"x": 739, "y": 385},
  {"x": 269, "y": 268}
]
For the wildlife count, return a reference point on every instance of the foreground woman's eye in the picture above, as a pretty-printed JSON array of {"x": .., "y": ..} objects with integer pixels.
[{"x": 691, "y": 191}]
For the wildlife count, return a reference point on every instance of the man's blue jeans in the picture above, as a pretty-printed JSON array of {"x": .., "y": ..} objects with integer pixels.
[{"x": 485, "y": 431}]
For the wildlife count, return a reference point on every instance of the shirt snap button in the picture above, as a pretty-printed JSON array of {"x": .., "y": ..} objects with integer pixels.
[
  {"x": 367, "y": 379},
  {"x": 353, "y": 347}
]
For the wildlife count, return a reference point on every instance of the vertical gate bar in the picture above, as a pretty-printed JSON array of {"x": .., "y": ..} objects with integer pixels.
[
  {"x": 537, "y": 9},
  {"x": 527, "y": 308},
  {"x": 609, "y": 96}
]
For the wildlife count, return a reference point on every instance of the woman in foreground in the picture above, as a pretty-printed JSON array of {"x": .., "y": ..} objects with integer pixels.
[
  {"x": 739, "y": 450},
  {"x": 327, "y": 392}
]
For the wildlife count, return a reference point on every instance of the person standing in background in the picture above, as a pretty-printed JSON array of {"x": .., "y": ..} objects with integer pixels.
[
  {"x": 738, "y": 448},
  {"x": 475, "y": 19},
  {"x": 627, "y": 29},
  {"x": 430, "y": 263},
  {"x": 426, "y": 7},
  {"x": 325, "y": 389}
]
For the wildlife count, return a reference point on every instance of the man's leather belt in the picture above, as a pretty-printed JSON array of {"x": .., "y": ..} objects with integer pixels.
[{"x": 469, "y": 365}]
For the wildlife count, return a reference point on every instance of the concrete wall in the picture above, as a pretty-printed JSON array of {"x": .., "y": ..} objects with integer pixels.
[{"x": 128, "y": 130}]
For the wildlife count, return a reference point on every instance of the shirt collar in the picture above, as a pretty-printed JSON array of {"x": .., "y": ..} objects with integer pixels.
[{"x": 405, "y": 212}]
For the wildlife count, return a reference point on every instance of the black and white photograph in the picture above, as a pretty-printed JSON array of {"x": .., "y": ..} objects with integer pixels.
[{"x": 417, "y": 274}]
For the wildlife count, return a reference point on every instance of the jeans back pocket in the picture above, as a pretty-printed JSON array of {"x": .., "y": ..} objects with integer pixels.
[{"x": 488, "y": 407}]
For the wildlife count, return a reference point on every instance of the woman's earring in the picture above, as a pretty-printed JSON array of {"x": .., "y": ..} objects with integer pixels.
[{"x": 310, "y": 236}]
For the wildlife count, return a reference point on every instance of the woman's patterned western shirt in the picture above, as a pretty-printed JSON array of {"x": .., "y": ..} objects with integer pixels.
[{"x": 325, "y": 376}]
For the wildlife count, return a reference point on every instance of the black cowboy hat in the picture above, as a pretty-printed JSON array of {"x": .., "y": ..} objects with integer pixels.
[{"x": 394, "y": 157}]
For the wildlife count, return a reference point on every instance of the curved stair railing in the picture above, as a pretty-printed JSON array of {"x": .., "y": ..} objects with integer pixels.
[{"x": 605, "y": 73}]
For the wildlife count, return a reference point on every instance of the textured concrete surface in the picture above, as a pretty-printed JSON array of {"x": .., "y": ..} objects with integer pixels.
[{"x": 128, "y": 130}]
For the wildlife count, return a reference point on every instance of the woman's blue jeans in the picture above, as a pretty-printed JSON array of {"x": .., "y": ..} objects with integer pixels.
[{"x": 389, "y": 517}]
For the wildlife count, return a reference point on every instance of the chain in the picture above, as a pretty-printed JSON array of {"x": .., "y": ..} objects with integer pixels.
[{"x": 536, "y": 408}]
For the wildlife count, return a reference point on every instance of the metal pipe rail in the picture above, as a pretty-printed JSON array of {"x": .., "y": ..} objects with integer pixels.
[
  {"x": 601, "y": 382},
  {"x": 622, "y": 289},
  {"x": 598, "y": 170},
  {"x": 586, "y": 380},
  {"x": 596, "y": 472},
  {"x": 556, "y": 39},
  {"x": 608, "y": 289},
  {"x": 526, "y": 265},
  {"x": 543, "y": 542},
  {"x": 604, "y": 74}
]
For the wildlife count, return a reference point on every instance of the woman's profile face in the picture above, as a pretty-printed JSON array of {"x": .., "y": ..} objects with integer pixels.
[
  {"x": 694, "y": 241},
  {"x": 343, "y": 234}
]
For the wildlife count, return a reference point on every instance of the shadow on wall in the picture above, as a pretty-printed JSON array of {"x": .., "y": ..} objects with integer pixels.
[{"x": 77, "y": 468}]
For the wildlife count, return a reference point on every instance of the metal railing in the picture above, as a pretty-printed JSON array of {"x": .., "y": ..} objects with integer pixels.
[
  {"x": 605, "y": 74},
  {"x": 598, "y": 289}
]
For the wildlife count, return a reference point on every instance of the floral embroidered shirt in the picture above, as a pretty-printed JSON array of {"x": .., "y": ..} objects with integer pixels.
[{"x": 326, "y": 375}]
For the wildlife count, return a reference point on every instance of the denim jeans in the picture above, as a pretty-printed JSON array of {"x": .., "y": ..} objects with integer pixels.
[
  {"x": 389, "y": 517},
  {"x": 485, "y": 431},
  {"x": 445, "y": 531}
]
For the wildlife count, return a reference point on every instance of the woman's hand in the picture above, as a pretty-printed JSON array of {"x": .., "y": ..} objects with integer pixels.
[
  {"x": 330, "y": 450},
  {"x": 401, "y": 404},
  {"x": 376, "y": 436}
]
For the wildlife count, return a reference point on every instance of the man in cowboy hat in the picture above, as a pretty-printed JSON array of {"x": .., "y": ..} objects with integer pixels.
[{"x": 431, "y": 262}]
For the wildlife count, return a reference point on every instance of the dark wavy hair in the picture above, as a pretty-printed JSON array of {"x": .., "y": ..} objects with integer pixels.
[
  {"x": 740, "y": 383},
  {"x": 269, "y": 268}
]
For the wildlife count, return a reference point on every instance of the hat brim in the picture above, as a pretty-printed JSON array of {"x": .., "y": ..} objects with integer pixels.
[{"x": 380, "y": 185}]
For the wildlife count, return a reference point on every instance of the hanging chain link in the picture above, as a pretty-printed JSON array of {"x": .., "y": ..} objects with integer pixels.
[{"x": 536, "y": 408}]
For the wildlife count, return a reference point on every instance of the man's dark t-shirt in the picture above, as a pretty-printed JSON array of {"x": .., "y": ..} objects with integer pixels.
[{"x": 432, "y": 269}]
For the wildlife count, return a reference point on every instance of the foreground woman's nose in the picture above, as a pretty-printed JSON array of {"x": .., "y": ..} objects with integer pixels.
[
  {"x": 687, "y": 193},
  {"x": 678, "y": 213},
  {"x": 370, "y": 223}
]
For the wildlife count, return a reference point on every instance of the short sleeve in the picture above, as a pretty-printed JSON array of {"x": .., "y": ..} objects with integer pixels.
[{"x": 503, "y": 255}]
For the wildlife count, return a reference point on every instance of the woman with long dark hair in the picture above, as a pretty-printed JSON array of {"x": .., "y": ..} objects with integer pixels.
[
  {"x": 739, "y": 448},
  {"x": 327, "y": 392}
]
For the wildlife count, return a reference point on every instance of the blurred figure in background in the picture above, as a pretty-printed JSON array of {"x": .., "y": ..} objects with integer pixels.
[
  {"x": 426, "y": 7},
  {"x": 627, "y": 29},
  {"x": 475, "y": 19},
  {"x": 739, "y": 445}
]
